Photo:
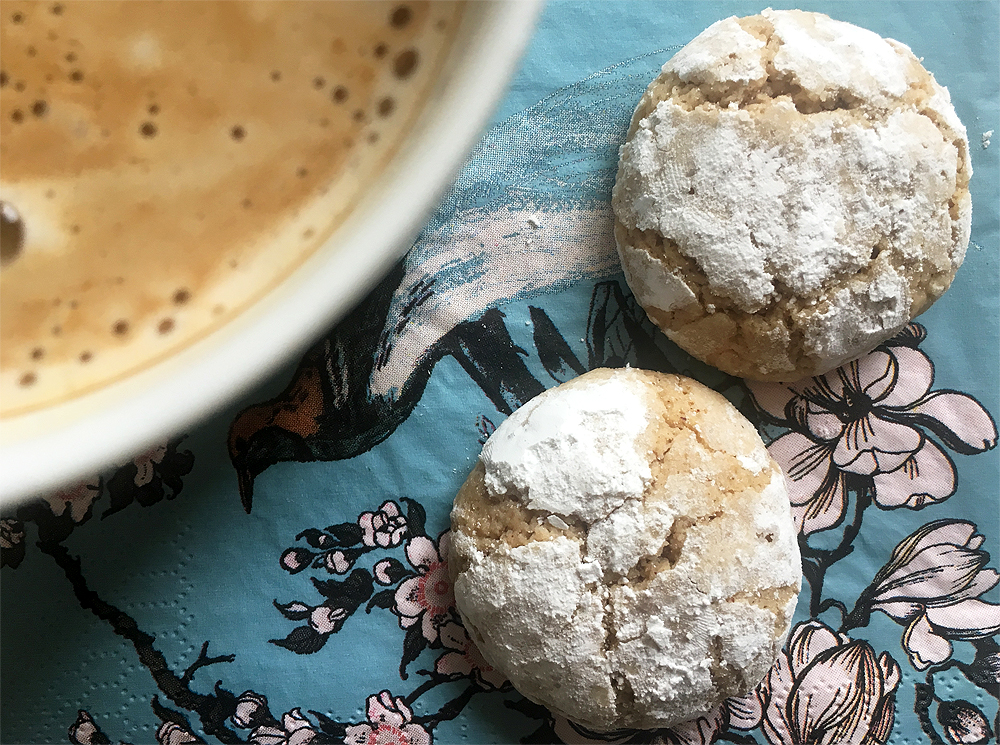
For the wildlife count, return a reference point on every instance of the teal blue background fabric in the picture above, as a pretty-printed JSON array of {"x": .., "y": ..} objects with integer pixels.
[{"x": 146, "y": 605}]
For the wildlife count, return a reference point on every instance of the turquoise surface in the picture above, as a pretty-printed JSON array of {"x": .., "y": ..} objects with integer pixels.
[{"x": 186, "y": 565}]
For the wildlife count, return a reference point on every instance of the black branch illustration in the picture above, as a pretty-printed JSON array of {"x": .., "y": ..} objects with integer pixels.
[{"x": 213, "y": 709}]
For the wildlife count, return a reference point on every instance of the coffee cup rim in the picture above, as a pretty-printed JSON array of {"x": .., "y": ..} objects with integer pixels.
[{"x": 59, "y": 445}]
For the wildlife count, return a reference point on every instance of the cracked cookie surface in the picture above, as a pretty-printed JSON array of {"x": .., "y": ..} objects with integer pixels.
[
  {"x": 792, "y": 191},
  {"x": 624, "y": 550}
]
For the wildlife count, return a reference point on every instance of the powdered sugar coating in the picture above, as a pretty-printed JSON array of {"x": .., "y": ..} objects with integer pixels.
[
  {"x": 583, "y": 448},
  {"x": 791, "y": 201},
  {"x": 653, "y": 282},
  {"x": 724, "y": 52},
  {"x": 615, "y": 613},
  {"x": 830, "y": 58}
]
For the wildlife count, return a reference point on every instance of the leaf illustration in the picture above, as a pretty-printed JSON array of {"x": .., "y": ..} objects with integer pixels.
[
  {"x": 616, "y": 334},
  {"x": 347, "y": 534},
  {"x": 390, "y": 571},
  {"x": 985, "y": 668},
  {"x": 302, "y": 640},
  {"x": 121, "y": 489},
  {"x": 413, "y": 644},
  {"x": 384, "y": 599},
  {"x": 315, "y": 538},
  {"x": 328, "y": 726},
  {"x": 485, "y": 427},
  {"x": 415, "y": 517},
  {"x": 350, "y": 593},
  {"x": 294, "y": 611}
]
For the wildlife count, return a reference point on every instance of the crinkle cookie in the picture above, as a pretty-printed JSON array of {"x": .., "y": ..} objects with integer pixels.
[
  {"x": 624, "y": 550},
  {"x": 792, "y": 191}
]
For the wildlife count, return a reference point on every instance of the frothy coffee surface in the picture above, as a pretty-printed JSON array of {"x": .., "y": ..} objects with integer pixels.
[{"x": 164, "y": 165}]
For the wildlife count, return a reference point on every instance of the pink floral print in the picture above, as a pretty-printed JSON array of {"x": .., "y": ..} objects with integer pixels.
[
  {"x": 870, "y": 418},
  {"x": 932, "y": 585},
  {"x": 76, "y": 500},
  {"x": 873, "y": 432},
  {"x": 326, "y": 620},
  {"x": 145, "y": 463},
  {"x": 464, "y": 658},
  {"x": 390, "y": 722},
  {"x": 295, "y": 729},
  {"x": 428, "y": 598},
  {"x": 337, "y": 562},
  {"x": 250, "y": 708},
  {"x": 384, "y": 528},
  {"x": 964, "y": 723},
  {"x": 171, "y": 733},
  {"x": 825, "y": 689},
  {"x": 84, "y": 731}
]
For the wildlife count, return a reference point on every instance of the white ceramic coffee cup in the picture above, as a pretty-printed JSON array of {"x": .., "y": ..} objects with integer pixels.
[{"x": 52, "y": 447}]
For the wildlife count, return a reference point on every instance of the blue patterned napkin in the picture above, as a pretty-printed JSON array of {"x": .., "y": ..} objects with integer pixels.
[{"x": 278, "y": 575}]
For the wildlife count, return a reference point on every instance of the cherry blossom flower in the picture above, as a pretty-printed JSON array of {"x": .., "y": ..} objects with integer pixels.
[
  {"x": 984, "y": 670},
  {"x": 389, "y": 571},
  {"x": 337, "y": 562},
  {"x": 428, "y": 598},
  {"x": 825, "y": 689},
  {"x": 932, "y": 584},
  {"x": 464, "y": 658},
  {"x": 870, "y": 419},
  {"x": 390, "y": 722},
  {"x": 295, "y": 559},
  {"x": 384, "y": 528},
  {"x": 295, "y": 729},
  {"x": 11, "y": 532},
  {"x": 251, "y": 710},
  {"x": 747, "y": 712},
  {"x": 76, "y": 499},
  {"x": 84, "y": 731},
  {"x": 171, "y": 733},
  {"x": 326, "y": 620},
  {"x": 145, "y": 464}
]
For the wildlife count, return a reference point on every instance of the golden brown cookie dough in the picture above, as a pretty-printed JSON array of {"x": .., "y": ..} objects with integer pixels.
[
  {"x": 792, "y": 191},
  {"x": 624, "y": 550}
]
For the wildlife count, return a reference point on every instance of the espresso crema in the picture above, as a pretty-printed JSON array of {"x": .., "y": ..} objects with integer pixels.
[{"x": 164, "y": 165}]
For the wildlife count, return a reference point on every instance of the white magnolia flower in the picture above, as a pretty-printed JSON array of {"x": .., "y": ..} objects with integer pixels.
[
  {"x": 871, "y": 418},
  {"x": 796, "y": 704},
  {"x": 932, "y": 584}
]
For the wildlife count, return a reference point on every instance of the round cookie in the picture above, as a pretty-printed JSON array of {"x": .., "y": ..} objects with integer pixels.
[
  {"x": 624, "y": 550},
  {"x": 792, "y": 191}
]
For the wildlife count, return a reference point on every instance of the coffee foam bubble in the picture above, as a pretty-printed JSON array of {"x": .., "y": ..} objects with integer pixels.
[{"x": 163, "y": 167}]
